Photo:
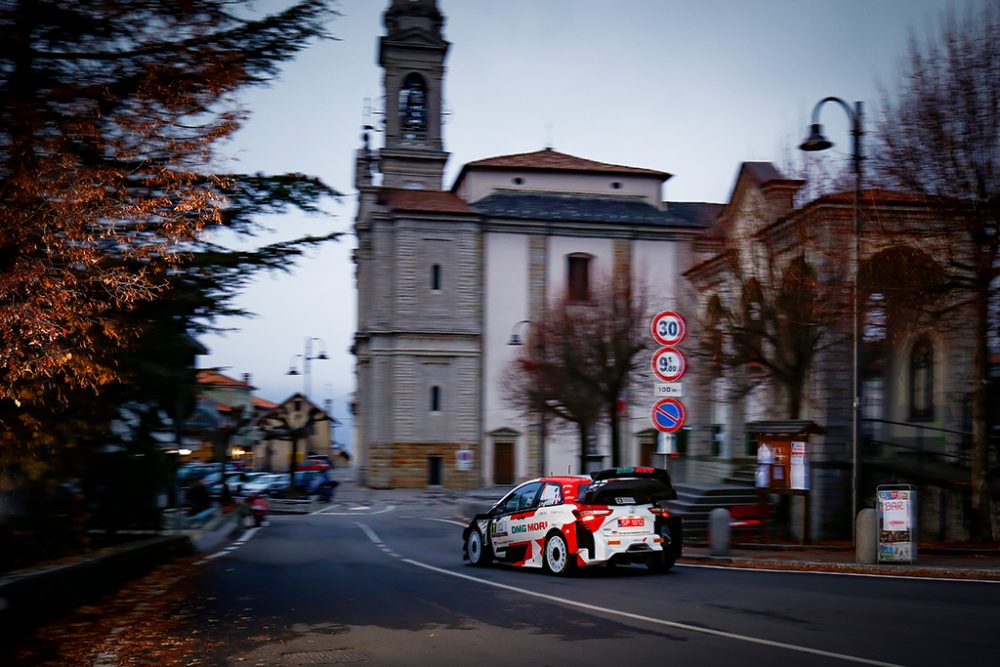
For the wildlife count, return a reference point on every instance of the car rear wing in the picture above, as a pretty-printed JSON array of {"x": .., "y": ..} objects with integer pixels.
[{"x": 647, "y": 472}]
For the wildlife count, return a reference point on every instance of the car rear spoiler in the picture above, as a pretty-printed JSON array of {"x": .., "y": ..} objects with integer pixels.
[{"x": 611, "y": 473}]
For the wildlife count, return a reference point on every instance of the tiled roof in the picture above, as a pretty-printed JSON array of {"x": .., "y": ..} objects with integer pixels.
[
  {"x": 578, "y": 208},
  {"x": 424, "y": 201},
  {"x": 553, "y": 160},
  {"x": 217, "y": 379},
  {"x": 874, "y": 196},
  {"x": 263, "y": 403}
]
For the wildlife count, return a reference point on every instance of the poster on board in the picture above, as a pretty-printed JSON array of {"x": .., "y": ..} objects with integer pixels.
[{"x": 897, "y": 514}]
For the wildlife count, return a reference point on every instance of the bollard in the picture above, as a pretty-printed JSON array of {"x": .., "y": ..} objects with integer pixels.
[
  {"x": 866, "y": 537},
  {"x": 718, "y": 531}
]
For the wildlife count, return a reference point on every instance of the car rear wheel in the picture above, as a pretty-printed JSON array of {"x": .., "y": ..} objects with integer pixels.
[
  {"x": 660, "y": 563},
  {"x": 558, "y": 560},
  {"x": 476, "y": 549}
]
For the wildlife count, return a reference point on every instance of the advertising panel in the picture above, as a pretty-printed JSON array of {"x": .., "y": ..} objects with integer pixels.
[{"x": 897, "y": 523}]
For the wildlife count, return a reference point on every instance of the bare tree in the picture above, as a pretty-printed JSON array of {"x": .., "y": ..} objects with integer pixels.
[
  {"x": 776, "y": 298},
  {"x": 580, "y": 359},
  {"x": 939, "y": 136}
]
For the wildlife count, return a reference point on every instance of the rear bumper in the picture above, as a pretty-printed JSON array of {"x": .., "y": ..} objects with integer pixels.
[{"x": 599, "y": 549}]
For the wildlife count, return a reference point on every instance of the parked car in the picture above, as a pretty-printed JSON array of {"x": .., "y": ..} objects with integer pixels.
[
  {"x": 615, "y": 516},
  {"x": 267, "y": 484},
  {"x": 316, "y": 483},
  {"x": 190, "y": 472}
]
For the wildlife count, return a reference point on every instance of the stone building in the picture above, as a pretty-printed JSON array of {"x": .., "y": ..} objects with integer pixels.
[
  {"x": 445, "y": 275},
  {"x": 915, "y": 350}
]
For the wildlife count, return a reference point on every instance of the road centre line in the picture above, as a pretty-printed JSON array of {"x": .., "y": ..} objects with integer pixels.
[{"x": 636, "y": 617}]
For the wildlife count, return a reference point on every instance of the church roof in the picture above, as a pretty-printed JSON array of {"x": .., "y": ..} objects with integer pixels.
[
  {"x": 580, "y": 208},
  {"x": 695, "y": 212},
  {"x": 423, "y": 201},
  {"x": 550, "y": 160}
]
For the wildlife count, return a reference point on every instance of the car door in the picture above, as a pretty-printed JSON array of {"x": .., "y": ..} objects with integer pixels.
[
  {"x": 508, "y": 524},
  {"x": 543, "y": 515}
]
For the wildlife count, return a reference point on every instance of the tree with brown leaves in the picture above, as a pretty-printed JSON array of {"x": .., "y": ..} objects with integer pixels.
[{"x": 111, "y": 113}]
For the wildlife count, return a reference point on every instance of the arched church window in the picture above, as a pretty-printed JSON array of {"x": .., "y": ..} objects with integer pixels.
[
  {"x": 413, "y": 107},
  {"x": 578, "y": 277},
  {"x": 922, "y": 380}
]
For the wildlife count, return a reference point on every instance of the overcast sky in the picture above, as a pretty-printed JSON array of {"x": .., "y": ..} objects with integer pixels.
[{"x": 690, "y": 87}]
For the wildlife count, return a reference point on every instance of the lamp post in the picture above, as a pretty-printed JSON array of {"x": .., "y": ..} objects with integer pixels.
[
  {"x": 817, "y": 142},
  {"x": 515, "y": 339},
  {"x": 307, "y": 358}
]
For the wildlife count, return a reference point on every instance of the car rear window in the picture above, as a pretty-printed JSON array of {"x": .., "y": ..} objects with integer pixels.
[{"x": 627, "y": 491}]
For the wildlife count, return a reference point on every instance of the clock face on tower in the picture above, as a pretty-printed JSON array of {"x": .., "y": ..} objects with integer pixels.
[{"x": 413, "y": 108}]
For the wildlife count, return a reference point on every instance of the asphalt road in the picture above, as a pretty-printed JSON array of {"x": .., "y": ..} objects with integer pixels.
[
  {"x": 387, "y": 586},
  {"x": 381, "y": 585}
]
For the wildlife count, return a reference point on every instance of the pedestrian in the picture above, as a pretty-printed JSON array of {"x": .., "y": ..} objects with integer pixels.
[
  {"x": 198, "y": 498},
  {"x": 258, "y": 508}
]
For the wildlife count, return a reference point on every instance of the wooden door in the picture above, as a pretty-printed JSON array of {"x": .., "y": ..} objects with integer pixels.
[{"x": 503, "y": 463}]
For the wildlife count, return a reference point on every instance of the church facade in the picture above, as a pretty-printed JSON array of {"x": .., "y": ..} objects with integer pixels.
[{"x": 446, "y": 277}]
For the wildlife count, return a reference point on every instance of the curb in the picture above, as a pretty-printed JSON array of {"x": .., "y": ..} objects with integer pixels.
[
  {"x": 887, "y": 569},
  {"x": 31, "y": 596}
]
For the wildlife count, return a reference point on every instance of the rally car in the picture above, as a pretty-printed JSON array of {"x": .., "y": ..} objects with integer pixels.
[{"x": 613, "y": 517}]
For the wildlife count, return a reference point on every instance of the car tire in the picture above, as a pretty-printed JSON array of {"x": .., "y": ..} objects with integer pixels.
[
  {"x": 660, "y": 563},
  {"x": 477, "y": 549},
  {"x": 556, "y": 557}
]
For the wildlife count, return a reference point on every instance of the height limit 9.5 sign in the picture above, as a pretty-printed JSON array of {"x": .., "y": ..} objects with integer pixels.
[{"x": 669, "y": 364}]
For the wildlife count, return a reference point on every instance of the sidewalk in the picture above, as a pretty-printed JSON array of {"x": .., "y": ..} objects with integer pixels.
[{"x": 933, "y": 561}]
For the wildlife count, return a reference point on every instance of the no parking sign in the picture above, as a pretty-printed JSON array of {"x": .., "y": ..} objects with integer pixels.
[{"x": 668, "y": 415}]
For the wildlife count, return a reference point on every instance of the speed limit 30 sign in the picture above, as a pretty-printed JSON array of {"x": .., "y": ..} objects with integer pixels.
[{"x": 669, "y": 328}]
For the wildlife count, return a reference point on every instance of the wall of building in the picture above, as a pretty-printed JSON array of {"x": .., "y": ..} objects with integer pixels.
[{"x": 479, "y": 184}]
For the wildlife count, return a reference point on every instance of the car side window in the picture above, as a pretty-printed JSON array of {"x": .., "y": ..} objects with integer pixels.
[
  {"x": 551, "y": 495},
  {"x": 522, "y": 498}
]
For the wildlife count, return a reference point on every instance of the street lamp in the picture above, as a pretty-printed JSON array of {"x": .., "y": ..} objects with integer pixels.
[
  {"x": 817, "y": 142},
  {"x": 307, "y": 357},
  {"x": 515, "y": 339}
]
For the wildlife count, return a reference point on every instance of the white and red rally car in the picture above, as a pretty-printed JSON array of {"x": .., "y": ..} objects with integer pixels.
[{"x": 612, "y": 517}]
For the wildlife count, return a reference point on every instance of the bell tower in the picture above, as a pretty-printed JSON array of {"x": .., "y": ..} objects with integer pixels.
[{"x": 412, "y": 54}]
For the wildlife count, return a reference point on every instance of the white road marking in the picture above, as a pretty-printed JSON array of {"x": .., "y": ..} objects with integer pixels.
[
  {"x": 451, "y": 521},
  {"x": 353, "y": 511},
  {"x": 376, "y": 539},
  {"x": 237, "y": 543},
  {"x": 636, "y": 617}
]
